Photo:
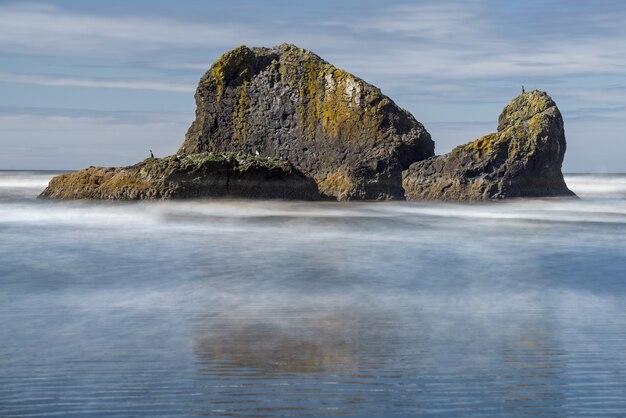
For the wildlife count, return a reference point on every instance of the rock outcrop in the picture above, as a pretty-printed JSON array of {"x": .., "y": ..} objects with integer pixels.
[
  {"x": 283, "y": 123},
  {"x": 288, "y": 103},
  {"x": 522, "y": 159},
  {"x": 223, "y": 175}
]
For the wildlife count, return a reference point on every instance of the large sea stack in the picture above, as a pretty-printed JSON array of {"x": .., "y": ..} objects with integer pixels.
[
  {"x": 283, "y": 123},
  {"x": 522, "y": 159},
  {"x": 288, "y": 103}
]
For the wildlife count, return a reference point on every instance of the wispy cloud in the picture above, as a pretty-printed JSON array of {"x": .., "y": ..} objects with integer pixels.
[
  {"x": 436, "y": 39},
  {"x": 66, "y": 81},
  {"x": 111, "y": 117},
  {"x": 431, "y": 20},
  {"x": 452, "y": 40},
  {"x": 446, "y": 61},
  {"x": 65, "y": 140},
  {"x": 48, "y": 30}
]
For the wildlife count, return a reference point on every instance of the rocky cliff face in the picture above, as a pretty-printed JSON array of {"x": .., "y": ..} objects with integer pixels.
[
  {"x": 523, "y": 158},
  {"x": 225, "y": 175},
  {"x": 288, "y": 103}
]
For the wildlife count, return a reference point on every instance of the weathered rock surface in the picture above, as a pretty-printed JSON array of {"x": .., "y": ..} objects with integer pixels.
[
  {"x": 283, "y": 123},
  {"x": 226, "y": 175},
  {"x": 288, "y": 103},
  {"x": 522, "y": 159}
]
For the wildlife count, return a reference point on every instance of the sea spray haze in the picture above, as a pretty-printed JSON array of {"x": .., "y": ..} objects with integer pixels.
[{"x": 230, "y": 308}]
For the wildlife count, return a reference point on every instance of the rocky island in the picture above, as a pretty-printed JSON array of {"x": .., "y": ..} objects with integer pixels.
[
  {"x": 522, "y": 159},
  {"x": 282, "y": 123},
  {"x": 198, "y": 175}
]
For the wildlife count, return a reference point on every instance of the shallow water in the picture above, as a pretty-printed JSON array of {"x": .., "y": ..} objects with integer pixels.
[{"x": 238, "y": 308}]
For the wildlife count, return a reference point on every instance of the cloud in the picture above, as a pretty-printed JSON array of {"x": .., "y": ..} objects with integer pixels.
[
  {"x": 51, "y": 31},
  {"x": 439, "y": 40},
  {"x": 70, "y": 140},
  {"x": 460, "y": 41},
  {"x": 66, "y": 81},
  {"x": 432, "y": 20},
  {"x": 111, "y": 117},
  {"x": 445, "y": 61}
]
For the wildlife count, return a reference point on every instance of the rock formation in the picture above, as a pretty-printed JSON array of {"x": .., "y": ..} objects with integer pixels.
[
  {"x": 283, "y": 123},
  {"x": 522, "y": 159},
  {"x": 288, "y": 103},
  {"x": 226, "y": 175}
]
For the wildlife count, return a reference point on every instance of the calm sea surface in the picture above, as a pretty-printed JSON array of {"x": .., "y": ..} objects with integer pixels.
[{"x": 239, "y": 308}]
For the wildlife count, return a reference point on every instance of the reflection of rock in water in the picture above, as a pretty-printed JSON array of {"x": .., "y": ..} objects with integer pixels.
[
  {"x": 289, "y": 344},
  {"x": 533, "y": 358}
]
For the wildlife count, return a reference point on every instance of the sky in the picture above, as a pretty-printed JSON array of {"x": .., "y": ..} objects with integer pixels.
[{"x": 102, "y": 82}]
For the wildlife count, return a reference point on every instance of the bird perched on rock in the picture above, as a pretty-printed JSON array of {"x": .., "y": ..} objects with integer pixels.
[
  {"x": 523, "y": 91},
  {"x": 151, "y": 154}
]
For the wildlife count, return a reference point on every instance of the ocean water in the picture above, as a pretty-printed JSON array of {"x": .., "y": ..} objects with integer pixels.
[{"x": 240, "y": 308}]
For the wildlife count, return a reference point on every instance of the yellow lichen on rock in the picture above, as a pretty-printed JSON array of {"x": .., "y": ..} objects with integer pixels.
[
  {"x": 521, "y": 124},
  {"x": 123, "y": 180},
  {"x": 482, "y": 145},
  {"x": 342, "y": 109},
  {"x": 335, "y": 184},
  {"x": 240, "y": 113},
  {"x": 228, "y": 65},
  {"x": 524, "y": 107},
  {"x": 330, "y": 96}
]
